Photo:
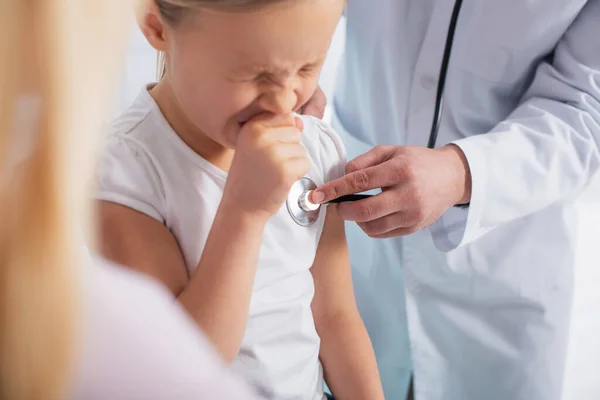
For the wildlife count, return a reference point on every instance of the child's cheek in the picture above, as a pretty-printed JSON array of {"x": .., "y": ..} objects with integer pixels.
[{"x": 242, "y": 95}]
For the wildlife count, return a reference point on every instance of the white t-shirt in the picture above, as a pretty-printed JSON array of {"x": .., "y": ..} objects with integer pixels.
[
  {"x": 139, "y": 344},
  {"x": 147, "y": 167}
]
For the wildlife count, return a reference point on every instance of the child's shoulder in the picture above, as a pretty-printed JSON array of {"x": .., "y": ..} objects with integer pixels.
[
  {"x": 137, "y": 135},
  {"x": 128, "y": 169},
  {"x": 136, "y": 121},
  {"x": 324, "y": 146},
  {"x": 318, "y": 132}
]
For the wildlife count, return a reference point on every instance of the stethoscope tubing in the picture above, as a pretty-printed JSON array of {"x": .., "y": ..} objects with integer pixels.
[
  {"x": 349, "y": 197},
  {"x": 439, "y": 98}
]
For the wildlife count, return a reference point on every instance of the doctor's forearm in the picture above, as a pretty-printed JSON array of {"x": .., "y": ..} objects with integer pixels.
[
  {"x": 543, "y": 154},
  {"x": 218, "y": 294},
  {"x": 547, "y": 150}
]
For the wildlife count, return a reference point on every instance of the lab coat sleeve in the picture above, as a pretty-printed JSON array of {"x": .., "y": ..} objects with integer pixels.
[{"x": 545, "y": 152}]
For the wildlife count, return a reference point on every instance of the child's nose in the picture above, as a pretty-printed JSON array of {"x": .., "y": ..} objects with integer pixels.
[{"x": 281, "y": 101}]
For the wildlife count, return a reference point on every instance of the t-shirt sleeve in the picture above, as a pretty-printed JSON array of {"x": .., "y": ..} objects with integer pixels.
[
  {"x": 127, "y": 176},
  {"x": 330, "y": 149}
]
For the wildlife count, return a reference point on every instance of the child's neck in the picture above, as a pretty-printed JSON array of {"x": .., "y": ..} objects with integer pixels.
[{"x": 203, "y": 145}]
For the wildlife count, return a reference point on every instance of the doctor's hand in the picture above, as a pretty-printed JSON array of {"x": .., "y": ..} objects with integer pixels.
[{"x": 418, "y": 185}]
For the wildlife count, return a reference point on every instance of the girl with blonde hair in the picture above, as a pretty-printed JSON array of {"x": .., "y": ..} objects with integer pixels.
[
  {"x": 72, "y": 326},
  {"x": 192, "y": 187}
]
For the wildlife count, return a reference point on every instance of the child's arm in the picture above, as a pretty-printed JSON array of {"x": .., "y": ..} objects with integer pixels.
[
  {"x": 346, "y": 351},
  {"x": 268, "y": 159},
  {"x": 218, "y": 294}
]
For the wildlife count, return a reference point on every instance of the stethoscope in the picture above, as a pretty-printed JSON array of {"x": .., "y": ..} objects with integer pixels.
[{"x": 306, "y": 213}]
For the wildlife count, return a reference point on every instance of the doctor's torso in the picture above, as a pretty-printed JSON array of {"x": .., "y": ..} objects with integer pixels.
[
  {"x": 489, "y": 320},
  {"x": 388, "y": 78}
]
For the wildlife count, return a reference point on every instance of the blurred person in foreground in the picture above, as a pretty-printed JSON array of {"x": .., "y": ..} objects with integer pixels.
[{"x": 72, "y": 326}]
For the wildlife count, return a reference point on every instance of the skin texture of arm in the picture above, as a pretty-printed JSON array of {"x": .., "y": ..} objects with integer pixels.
[
  {"x": 218, "y": 294},
  {"x": 346, "y": 351}
]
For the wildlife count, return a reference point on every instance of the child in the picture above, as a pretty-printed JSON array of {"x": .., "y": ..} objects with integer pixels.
[{"x": 193, "y": 182}]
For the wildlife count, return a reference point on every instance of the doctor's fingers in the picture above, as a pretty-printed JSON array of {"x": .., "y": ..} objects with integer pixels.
[
  {"x": 380, "y": 176},
  {"x": 375, "y": 207},
  {"x": 397, "y": 233},
  {"x": 398, "y": 224},
  {"x": 375, "y": 156}
]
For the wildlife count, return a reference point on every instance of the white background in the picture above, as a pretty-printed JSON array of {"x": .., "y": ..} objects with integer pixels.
[{"x": 140, "y": 68}]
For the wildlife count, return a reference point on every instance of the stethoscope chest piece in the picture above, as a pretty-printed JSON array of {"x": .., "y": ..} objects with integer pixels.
[{"x": 302, "y": 212}]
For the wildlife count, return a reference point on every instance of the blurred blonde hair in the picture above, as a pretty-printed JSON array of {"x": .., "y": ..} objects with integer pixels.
[{"x": 65, "y": 54}]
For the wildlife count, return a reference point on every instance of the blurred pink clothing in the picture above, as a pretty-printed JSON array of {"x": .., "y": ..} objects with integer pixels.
[{"x": 139, "y": 344}]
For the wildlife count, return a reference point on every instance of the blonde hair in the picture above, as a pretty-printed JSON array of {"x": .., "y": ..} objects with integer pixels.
[
  {"x": 44, "y": 52},
  {"x": 173, "y": 11}
]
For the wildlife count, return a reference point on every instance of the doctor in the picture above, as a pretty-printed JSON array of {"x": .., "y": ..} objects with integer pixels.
[{"x": 483, "y": 228}]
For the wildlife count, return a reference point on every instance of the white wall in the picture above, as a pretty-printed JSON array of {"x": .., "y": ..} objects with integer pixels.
[{"x": 139, "y": 69}]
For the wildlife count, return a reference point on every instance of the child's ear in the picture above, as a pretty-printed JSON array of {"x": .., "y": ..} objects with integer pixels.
[{"x": 152, "y": 25}]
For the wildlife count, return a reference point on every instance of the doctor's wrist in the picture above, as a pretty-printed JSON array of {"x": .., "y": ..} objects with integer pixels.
[{"x": 458, "y": 164}]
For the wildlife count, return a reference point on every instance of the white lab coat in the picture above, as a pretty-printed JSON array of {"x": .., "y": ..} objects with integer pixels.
[{"x": 489, "y": 289}]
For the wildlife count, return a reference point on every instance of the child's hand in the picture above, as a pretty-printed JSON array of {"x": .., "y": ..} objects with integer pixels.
[{"x": 268, "y": 160}]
